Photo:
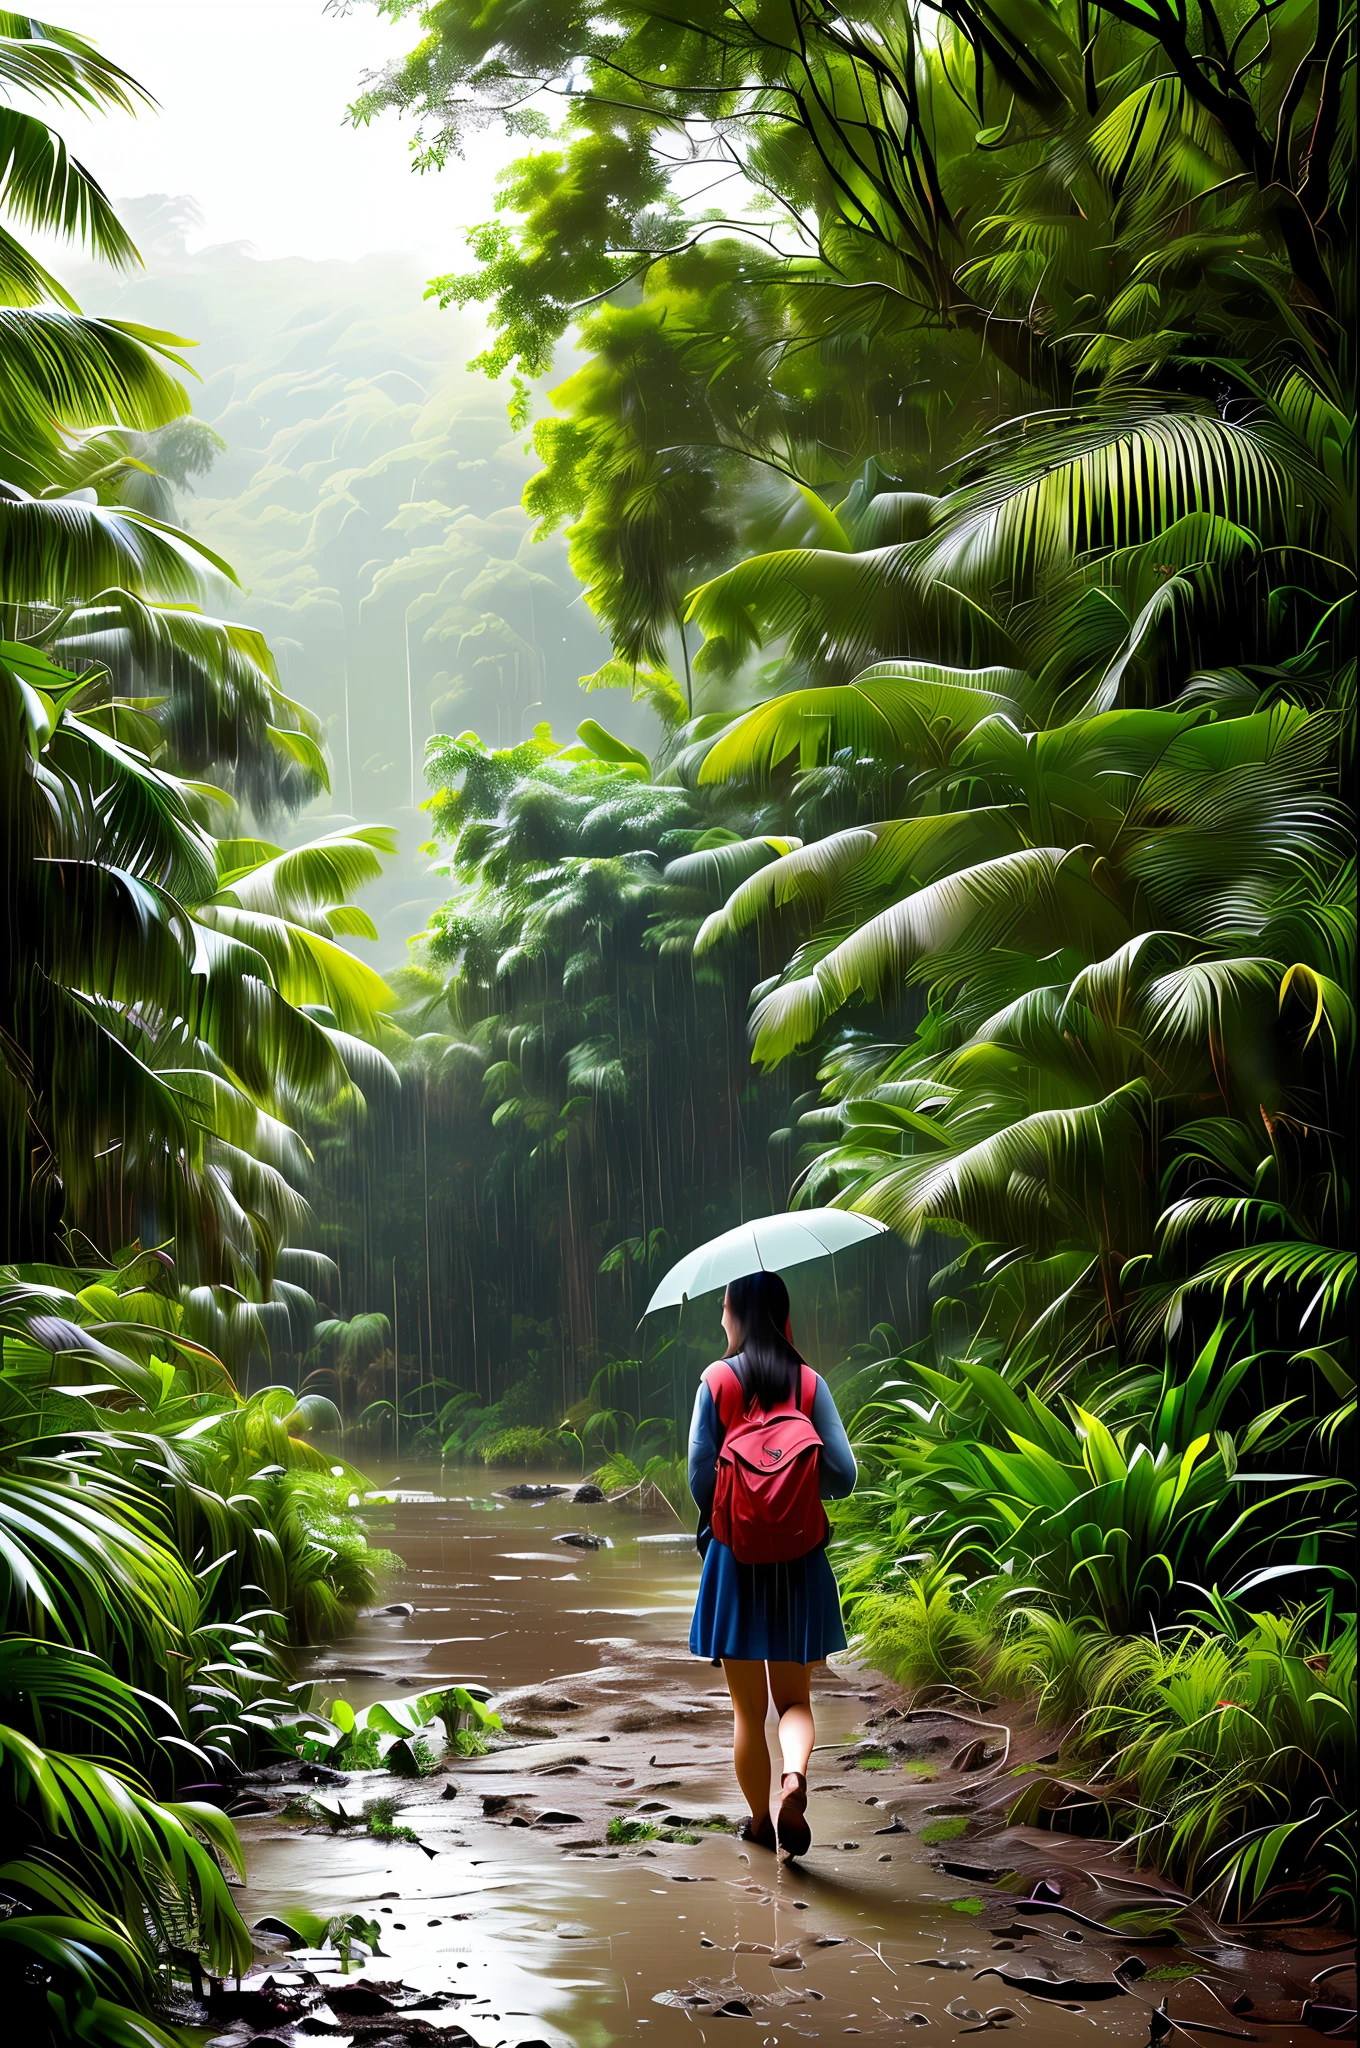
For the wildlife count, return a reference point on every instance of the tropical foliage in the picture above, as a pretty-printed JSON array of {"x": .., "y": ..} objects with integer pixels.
[
  {"x": 968, "y": 500},
  {"x": 573, "y": 1102},
  {"x": 177, "y": 1012},
  {"x": 982, "y": 467},
  {"x": 162, "y": 1540}
]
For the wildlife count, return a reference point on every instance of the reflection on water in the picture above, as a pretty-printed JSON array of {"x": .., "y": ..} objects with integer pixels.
[{"x": 576, "y": 1948}]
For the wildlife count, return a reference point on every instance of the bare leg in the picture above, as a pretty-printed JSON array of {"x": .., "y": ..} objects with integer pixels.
[
  {"x": 789, "y": 1686},
  {"x": 750, "y": 1690}
]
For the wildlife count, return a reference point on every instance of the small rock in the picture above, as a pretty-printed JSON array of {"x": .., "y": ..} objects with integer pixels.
[
  {"x": 885, "y": 1858},
  {"x": 357, "y": 2001},
  {"x": 579, "y": 1539},
  {"x": 258, "y": 2008},
  {"x": 554, "y": 1817},
  {"x": 589, "y": 1495},
  {"x": 450, "y": 1791},
  {"x": 492, "y": 1802}
]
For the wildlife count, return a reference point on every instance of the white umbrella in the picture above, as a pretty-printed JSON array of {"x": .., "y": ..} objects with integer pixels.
[{"x": 767, "y": 1244}]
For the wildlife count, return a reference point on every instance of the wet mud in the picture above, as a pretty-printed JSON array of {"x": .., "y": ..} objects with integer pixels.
[{"x": 581, "y": 1884}]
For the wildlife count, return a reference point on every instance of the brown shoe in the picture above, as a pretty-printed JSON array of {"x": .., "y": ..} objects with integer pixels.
[
  {"x": 761, "y": 1832},
  {"x": 793, "y": 1833}
]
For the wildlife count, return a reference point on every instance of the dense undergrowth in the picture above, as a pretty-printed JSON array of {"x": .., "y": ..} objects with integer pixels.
[
  {"x": 162, "y": 1544},
  {"x": 1008, "y": 1546},
  {"x": 177, "y": 1018}
]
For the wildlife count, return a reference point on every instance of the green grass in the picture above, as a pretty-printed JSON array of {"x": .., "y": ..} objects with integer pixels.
[
  {"x": 389, "y": 1831},
  {"x": 944, "y": 1830},
  {"x": 873, "y": 1763},
  {"x": 1228, "y": 1741},
  {"x": 1145, "y": 1919},
  {"x": 972, "y": 1906},
  {"x": 622, "y": 1831},
  {"x": 380, "y": 1818}
]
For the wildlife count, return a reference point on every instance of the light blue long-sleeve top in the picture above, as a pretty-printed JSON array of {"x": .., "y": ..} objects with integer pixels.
[{"x": 837, "y": 1471}]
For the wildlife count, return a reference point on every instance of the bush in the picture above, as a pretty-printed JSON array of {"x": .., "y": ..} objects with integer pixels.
[
  {"x": 1224, "y": 1750},
  {"x": 926, "y": 1635},
  {"x": 523, "y": 1446},
  {"x": 670, "y": 1477},
  {"x": 1241, "y": 1751},
  {"x": 617, "y": 1473}
]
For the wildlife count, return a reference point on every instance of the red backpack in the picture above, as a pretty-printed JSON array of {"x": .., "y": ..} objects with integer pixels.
[{"x": 766, "y": 1505}]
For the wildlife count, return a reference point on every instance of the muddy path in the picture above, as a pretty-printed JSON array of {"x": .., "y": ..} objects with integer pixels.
[{"x": 535, "y": 1928}]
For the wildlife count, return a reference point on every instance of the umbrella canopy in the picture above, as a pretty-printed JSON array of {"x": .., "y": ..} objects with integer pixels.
[{"x": 767, "y": 1244}]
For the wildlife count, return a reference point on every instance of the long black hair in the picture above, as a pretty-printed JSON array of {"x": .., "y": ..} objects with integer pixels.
[{"x": 764, "y": 1358}]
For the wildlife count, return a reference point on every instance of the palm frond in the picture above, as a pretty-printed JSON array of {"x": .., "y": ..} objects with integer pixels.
[
  {"x": 41, "y": 185},
  {"x": 896, "y": 710},
  {"x": 52, "y": 548}
]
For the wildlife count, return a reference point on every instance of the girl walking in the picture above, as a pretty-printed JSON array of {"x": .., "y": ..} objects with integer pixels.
[{"x": 766, "y": 1447}]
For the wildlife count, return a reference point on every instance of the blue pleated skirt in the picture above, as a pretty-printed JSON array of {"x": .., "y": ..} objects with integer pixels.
[{"x": 786, "y": 1613}]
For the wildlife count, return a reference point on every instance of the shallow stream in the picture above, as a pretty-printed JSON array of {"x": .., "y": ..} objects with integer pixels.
[{"x": 561, "y": 1941}]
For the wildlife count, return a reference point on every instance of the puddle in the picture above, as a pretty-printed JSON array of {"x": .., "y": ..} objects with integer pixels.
[{"x": 560, "y": 1939}]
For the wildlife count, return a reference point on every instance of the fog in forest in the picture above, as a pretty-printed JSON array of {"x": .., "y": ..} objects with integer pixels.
[{"x": 621, "y": 630}]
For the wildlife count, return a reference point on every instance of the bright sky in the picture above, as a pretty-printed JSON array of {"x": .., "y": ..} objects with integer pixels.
[{"x": 252, "y": 98}]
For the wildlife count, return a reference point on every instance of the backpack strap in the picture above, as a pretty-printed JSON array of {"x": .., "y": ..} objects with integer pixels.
[{"x": 729, "y": 1396}]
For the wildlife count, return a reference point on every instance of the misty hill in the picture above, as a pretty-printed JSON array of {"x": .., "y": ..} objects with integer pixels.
[{"x": 367, "y": 494}]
